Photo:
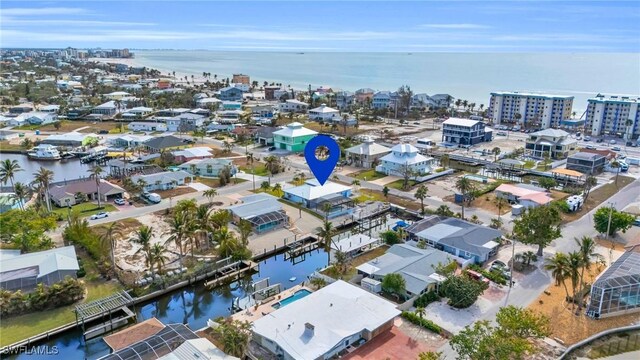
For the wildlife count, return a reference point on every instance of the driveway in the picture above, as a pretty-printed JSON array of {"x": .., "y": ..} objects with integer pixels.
[{"x": 198, "y": 186}]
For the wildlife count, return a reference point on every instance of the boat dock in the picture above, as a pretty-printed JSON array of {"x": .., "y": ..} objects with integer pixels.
[
  {"x": 116, "y": 306},
  {"x": 297, "y": 249},
  {"x": 229, "y": 272}
]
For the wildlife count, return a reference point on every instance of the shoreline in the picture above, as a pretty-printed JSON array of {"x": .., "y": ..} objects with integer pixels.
[{"x": 134, "y": 62}]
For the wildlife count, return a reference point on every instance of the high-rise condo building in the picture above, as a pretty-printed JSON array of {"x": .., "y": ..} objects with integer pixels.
[
  {"x": 613, "y": 115},
  {"x": 527, "y": 109}
]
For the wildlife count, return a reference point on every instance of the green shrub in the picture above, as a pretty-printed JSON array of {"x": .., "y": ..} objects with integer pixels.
[
  {"x": 494, "y": 276},
  {"x": 426, "y": 299},
  {"x": 79, "y": 232},
  {"x": 43, "y": 297},
  {"x": 81, "y": 271},
  {"x": 425, "y": 323}
]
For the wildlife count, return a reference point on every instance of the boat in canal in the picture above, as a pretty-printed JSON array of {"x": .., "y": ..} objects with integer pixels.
[{"x": 44, "y": 152}]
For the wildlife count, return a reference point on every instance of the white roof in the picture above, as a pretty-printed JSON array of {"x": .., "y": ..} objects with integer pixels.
[
  {"x": 324, "y": 109},
  {"x": 460, "y": 122},
  {"x": 193, "y": 152},
  {"x": 526, "y": 94},
  {"x": 368, "y": 148},
  {"x": 197, "y": 349},
  {"x": 312, "y": 189},
  {"x": 336, "y": 311},
  {"x": 117, "y": 93},
  {"x": 550, "y": 133},
  {"x": 296, "y": 102},
  {"x": 405, "y": 154},
  {"x": 353, "y": 242},
  {"x": 70, "y": 136},
  {"x": 294, "y": 129},
  {"x": 48, "y": 261},
  {"x": 136, "y": 138},
  {"x": 140, "y": 109},
  {"x": 107, "y": 105},
  {"x": 164, "y": 177}
]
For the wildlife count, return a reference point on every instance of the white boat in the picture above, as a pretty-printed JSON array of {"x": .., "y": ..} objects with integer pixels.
[{"x": 44, "y": 152}]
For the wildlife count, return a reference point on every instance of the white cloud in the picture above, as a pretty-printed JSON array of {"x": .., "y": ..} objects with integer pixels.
[
  {"x": 43, "y": 11},
  {"x": 454, "y": 26},
  {"x": 67, "y": 22}
]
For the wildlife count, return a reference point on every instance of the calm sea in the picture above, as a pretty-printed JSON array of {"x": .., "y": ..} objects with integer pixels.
[{"x": 470, "y": 76}]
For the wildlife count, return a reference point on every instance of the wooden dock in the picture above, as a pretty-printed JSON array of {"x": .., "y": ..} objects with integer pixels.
[
  {"x": 231, "y": 272},
  {"x": 301, "y": 247}
]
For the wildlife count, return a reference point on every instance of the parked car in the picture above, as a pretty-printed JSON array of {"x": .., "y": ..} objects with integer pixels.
[
  {"x": 272, "y": 148},
  {"x": 499, "y": 264},
  {"x": 636, "y": 222},
  {"x": 119, "y": 201},
  {"x": 99, "y": 215},
  {"x": 590, "y": 147},
  {"x": 103, "y": 132},
  {"x": 416, "y": 123},
  {"x": 616, "y": 148},
  {"x": 612, "y": 142},
  {"x": 587, "y": 138},
  {"x": 501, "y": 267},
  {"x": 477, "y": 276},
  {"x": 501, "y": 133},
  {"x": 599, "y": 140}
]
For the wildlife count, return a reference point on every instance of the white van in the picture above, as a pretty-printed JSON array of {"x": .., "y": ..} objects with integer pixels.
[{"x": 152, "y": 197}]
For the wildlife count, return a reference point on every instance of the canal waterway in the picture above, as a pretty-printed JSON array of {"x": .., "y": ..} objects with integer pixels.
[
  {"x": 62, "y": 169},
  {"x": 192, "y": 305}
]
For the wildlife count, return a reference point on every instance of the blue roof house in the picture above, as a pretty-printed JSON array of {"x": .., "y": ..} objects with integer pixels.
[{"x": 230, "y": 94}]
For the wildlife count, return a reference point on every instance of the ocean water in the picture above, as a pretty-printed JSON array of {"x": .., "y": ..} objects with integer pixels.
[{"x": 470, "y": 76}]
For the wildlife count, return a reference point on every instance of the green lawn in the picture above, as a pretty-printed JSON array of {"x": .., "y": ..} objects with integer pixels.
[
  {"x": 5, "y": 145},
  {"x": 529, "y": 164},
  {"x": 368, "y": 175},
  {"x": 398, "y": 184},
  {"x": 21, "y": 327},
  {"x": 258, "y": 169},
  {"x": 84, "y": 209}
]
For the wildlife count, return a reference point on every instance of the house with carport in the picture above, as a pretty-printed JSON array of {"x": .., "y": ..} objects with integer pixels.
[{"x": 68, "y": 194}]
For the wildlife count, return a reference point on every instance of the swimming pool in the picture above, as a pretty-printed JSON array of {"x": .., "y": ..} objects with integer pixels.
[
  {"x": 478, "y": 178},
  {"x": 295, "y": 297}
]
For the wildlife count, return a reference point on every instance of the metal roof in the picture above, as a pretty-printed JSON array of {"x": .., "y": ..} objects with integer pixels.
[
  {"x": 623, "y": 272},
  {"x": 256, "y": 205},
  {"x": 156, "y": 346}
]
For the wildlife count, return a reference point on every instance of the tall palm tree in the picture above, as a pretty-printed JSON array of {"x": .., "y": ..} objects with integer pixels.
[
  {"x": 245, "y": 229},
  {"x": 574, "y": 262},
  {"x": 466, "y": 187},
  {"x": 326, "y": 232},
  {"x": 202, "y": 223},
  {"x": 20, "y": 191},
  {"x": 420, "y": 311},
  {"x": 8, "y": 170},
  {"x": 108, "y": 241},
  {"x": 588, "y": 254},
  {"x": 500, "y": 203},
  {"x": 95, "y": 173},
  {"x": 210, "y": 194},
  {"x": 144, "y": 234},
  {"x": 421, "y": 194},
  {"x": 559, "y": 267},
  {"x": 179, "y": 231},
  {"x": 226, "y": 240},
  {"x": 44, "y": 177},
  {"x": 158, "y": 256}
]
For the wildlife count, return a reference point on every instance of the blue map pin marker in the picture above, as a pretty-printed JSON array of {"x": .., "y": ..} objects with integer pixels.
[{"x": 322, "y": 169}]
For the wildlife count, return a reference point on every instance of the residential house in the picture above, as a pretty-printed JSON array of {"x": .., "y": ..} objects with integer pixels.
[
  {"x": 367, "y": 154},
  {"x": 22, "y": 108},
  {"x": 107, "y": 109},
  {"x": 230, "y": 94},
  {"x": 231, "y": 105},
  {"x": 137, "y": 113},
  {"x": 72, "y": 139},
  {"x": 185, "y": 122},
  {"x": 324, "y": 323},
  {"x": 171, "y": 112},
  {"x": 50, "y": 109},
  {"x": 331, "y": 199},
  {"x": 293, "y": 105},
  {"x": 208, "y": 167},
  {"x": 244, "y": 87},
  {"x": 461, "y": 238},
  {"x": 164, "y": 180},
  {"x": 416, "y": 266},
  {"x": 116, "y": 95},
  {"x": 37, "y": 118},
  {"x": 384, "y": 100},
  {"x": 404, "y": 157},
  {"x": 464, "y": 132},
  {"x": 25, "y": 271},
  {"x": 294, "y": 137},
  {"x": 192, "y": 153},
  {"x": 66, "y": 194},
  {"x": 8, "y": 135},
  {"x": 269, "y": 92},
  {"x": 364, "y": 95},
  {"x": 208, "y": 102},
  {"x": 523, "y": 194},
  {"x": 355, "y": 244},
  {"x": 263, "y": 211},
  {"x": 422, "y": 102},
  {"x": 160, "y": 143},
  {"x": 586, "y": 163},
  {"x": 345, "y": 99},
  {"x": 147, "y": 126},
  {"x": 261, "y": 110},
  {"x": 130, "y": 141},
  {"x": 264, "y": 135},
  {"x": 557, "y": 144},
  {"x": 324, "y": 113}
]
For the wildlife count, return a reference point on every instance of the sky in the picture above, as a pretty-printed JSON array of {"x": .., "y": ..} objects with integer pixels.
[{"x": 391, "y": 26}]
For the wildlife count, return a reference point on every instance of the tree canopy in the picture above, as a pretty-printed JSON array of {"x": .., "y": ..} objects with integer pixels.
[
  {"x": 620, "y": 221},
  {"x": 538, "y": 226}
]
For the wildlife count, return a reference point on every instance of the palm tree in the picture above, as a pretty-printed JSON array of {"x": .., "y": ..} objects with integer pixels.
[
  {"x": 500, "y": 202},
  {"x": 108, "y": 241},
  {"x": 616, "y": 165},
  {"x": 326, "y": 232},
  {"x": 227, "y": 242},
  {"x": 8, "y": 170},
  {"x": 44, "y": 177},
  {"x": 465, "y": 186},
  {"x": 210, "y": 194},
  {"x": 385, "y": 191},
  {"x": 345, "y": 118},
  {"x": 143, "y": 237},
  {"x": 421, "y": 194},
  {"x": 589, "y": 183},
  {"x": 158, "y": 256},
  {"x": 495, "y": 151},
  {"x": 20, "y": 192},
  {"x": 587, "y": 252},
  {"x": 355, "y": 183},
  {"x": 265, "y": 186},
  {"x": 444, "y": 161},
  {"x": 420, "y": 311},
  {"x": 95, "y": 173},
  {"x": 574, "y": 262},
  {"x": 277, "y": 189},
  {"x": 246, "y": 230},
  {"x": 179, "y": 231},
  {"x": 559, "y": 267}
]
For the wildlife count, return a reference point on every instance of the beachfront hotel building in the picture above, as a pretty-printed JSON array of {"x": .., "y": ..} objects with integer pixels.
[
  {"x": 539, "y": 110},
  {"x": 241, "y": 79},
  {"x": 294, "y": 137},
  {"x": 613, "y": 115}
]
